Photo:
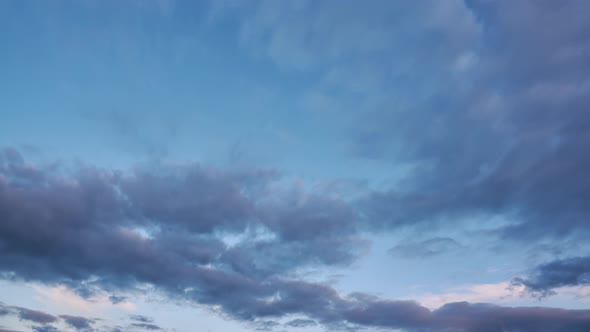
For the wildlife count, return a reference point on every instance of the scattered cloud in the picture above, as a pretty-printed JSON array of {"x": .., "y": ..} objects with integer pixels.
[
  {"x": 426, "y": 248},
  {"x": 301, "y": 323},
  {"x": 34, "y": 316},
  {"x": 546, "y": 278},
  {"x": 66, "y": 299},
  {"x": 79, "y": 323},
  {"x": 484, "y": 103},
  {"x": 44, "y": 322},
  {"x": 146, "y": 326}
]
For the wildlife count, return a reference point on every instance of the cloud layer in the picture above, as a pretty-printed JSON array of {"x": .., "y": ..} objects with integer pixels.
[
  {"x": 92, "y": 229},
  {"x": 40, "y": 321},
  {"x": 482, "y": 103}
]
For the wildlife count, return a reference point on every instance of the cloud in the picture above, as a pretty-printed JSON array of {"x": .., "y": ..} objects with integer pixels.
[
  {"x": 116, "y": 299},
  {"x": 67, "y": 299},
  {"x": 4, "y": 310},
  {"x": 502, "y": 292},
  {"x": 43, "y": 319},
  {"x": 511, "y": 144},
  {"x": 34, "y": 316},
  {"x": 180, "y": 207},
  {"x": 45, "y": 328},
  {"x": 45, "y": 322},
  {"x": 91, "y": 218},
  {"x": 485, "y": 317},
  {"x": 485, "y": 102},
  {"x": 545, "y": 278},
  {"x": 486, "y": 110},
  {"x": 267, "y": 325},
  {"x": 426, "y": 248},
  {"x": 146, "y": 326},
  {"x": 167, "y": 228},
  {"x": 301, "y": 323},
  {"x": 141, "y": 318},
  {"x": 78, "y": 323}
]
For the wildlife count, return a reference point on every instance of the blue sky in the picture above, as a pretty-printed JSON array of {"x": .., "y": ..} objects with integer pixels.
[{"x": 294, "y": 165}]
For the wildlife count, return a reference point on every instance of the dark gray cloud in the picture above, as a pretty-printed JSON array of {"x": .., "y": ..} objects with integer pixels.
[
  {"x": 512, "y": 143},
  {"x": 146, "y": 326},
  {"x": 44, "y": 322},
  {"x": 45, "y": 328},
  {"x": 267, "y": 325},
  {"x": 94, "y": 229},
  {"x": 464, "y": 316},
  {"x": 559, "y": 273},
  {"x": 299, "y": 322},
  {"x": 4, "y": 311},
  {"x": 78, "y": 323},
  {"x": 191, "y": 198},
  {"x": 186, "y": 212},
  {"x": 141, "y": 318},
  {"x": 94, "y": 242},
  {"x": 116, "y": 299},
  {"x": 98, "y": 212},
  {"x": 89, "y": 220},
  {"x": 34, "y": 316},
  {"x": 507, "y": 138},
  {"x": 30, "y": 316},
  {"x": 426, "y": 248}
]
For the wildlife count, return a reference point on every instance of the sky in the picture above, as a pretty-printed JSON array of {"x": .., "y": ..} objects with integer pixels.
[{"x": 294, "y": 166}]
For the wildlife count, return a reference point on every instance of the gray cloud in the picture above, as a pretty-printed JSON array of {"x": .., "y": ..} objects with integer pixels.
[
  {"x": 43, "y": 319},
  {"x": 487, "y": 109},
  {"x": 267, "y": 325},
  {"x": 141, "y": 318},
  {"x": 558, "y": 273},
  {"x": 146, "y": 326},
  {"x": 94, "y": 213},
  {"x": 426, "y": 248},
  {"x": 486, "y": 102},
  {"x": 4, "y": 311},
  {"x": 301, "y": 323},
  {"x": 34, "y": 316},
  {"x": 45, "y": 328},
  {"x": 181, "y": 208},
  {"x": 116, "y": 299},
  {"x": 510, "y": 144},
  {"x": 78, "y": 323},
  {"x": 91, "y": 218},
  {"x": 45, "y": 322}
]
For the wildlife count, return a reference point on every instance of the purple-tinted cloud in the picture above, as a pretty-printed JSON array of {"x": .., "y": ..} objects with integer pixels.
[
  {"x": 558, "y": 273},
  {"x": 34, "y": 316},
  {"x": 45, "y": 322},
  {"x": 91, "y": 219},
  {"x": 78, "y": 323}
]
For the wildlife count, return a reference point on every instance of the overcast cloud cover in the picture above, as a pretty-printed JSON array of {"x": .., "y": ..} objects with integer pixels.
[{"x": 294, "y": 166}]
